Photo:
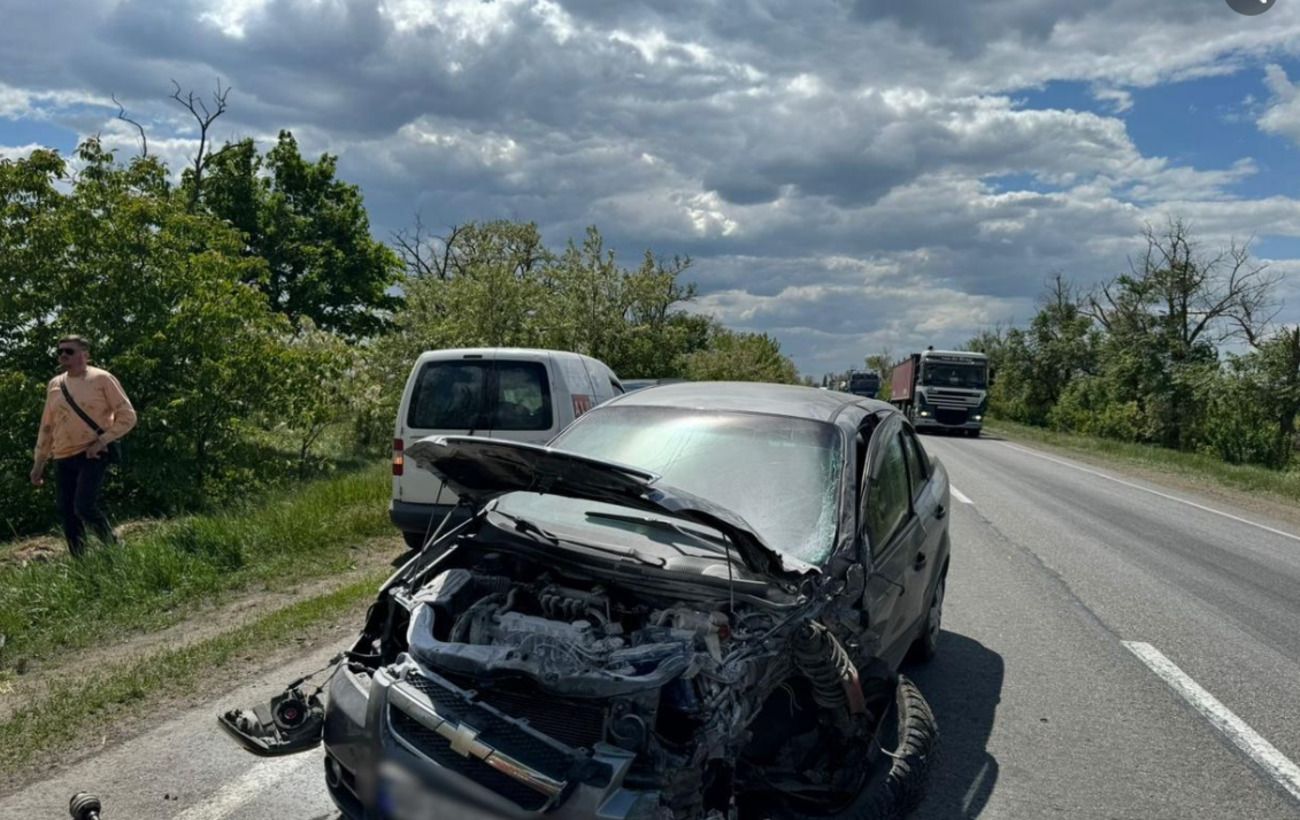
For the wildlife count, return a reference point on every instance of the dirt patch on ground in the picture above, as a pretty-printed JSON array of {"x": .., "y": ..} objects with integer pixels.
[
  {"x": 204, "y": 622},
  {"x": 125, "y": 725},
  {"x": 41, "y": 548}
]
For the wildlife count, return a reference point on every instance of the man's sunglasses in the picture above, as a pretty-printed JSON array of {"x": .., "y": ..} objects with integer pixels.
[{"x": 68, "y": 351}]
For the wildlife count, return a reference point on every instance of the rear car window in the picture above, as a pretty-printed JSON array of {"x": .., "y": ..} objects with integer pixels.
[{"x": 481, "y": 395}]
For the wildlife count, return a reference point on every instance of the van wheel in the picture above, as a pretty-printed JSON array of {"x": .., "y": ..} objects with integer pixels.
[{"x": 414, "y": 540}]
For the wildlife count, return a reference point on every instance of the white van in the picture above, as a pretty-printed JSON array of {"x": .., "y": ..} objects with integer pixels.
[{"x": 510, "y": 393}]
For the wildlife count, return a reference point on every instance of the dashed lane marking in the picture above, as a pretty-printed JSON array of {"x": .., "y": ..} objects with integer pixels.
[{"x": 959, "y": 495}]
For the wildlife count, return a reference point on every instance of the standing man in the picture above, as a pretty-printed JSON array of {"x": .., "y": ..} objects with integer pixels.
[{"x": 80, "y": 451}]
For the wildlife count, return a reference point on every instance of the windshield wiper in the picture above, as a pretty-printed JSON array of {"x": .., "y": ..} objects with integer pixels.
[
  {"x": 716, "y": 543},
  {"x": 530, "y": 528}
]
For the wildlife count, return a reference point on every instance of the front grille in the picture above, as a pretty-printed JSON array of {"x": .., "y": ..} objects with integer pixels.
[
  {"x": 952, "y": 400},
  {"x": 527, "y": 747},
  {"x": 573, "y": 723},
  {"x": 437, "y": 749}
]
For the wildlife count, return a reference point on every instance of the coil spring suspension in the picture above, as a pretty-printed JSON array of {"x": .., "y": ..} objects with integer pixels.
[{"x": 822, "y": 660}]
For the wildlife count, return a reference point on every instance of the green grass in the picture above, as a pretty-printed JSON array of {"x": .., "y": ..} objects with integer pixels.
[
  {"x": 154, "y": 578},
  {"x": 1284, "y": 485},
  {"x": 73, "y": 710}
]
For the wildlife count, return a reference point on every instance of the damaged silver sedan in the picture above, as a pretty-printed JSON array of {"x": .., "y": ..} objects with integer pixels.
[{"x": 693, "y": 604}]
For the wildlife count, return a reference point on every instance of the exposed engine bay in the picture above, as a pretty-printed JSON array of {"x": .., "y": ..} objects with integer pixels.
[{"x": 723, "y": 701}]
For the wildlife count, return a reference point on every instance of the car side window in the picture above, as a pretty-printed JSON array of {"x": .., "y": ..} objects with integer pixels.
[
  {"x": 918, "y": 466},
  {"x": 888, "y": 501}
]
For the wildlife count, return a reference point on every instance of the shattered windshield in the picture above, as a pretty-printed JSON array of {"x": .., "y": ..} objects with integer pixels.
[{"x": 780, "y": 474}]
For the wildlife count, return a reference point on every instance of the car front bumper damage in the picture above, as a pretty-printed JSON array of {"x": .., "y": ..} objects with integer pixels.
[{"x": 416, "y": 746}]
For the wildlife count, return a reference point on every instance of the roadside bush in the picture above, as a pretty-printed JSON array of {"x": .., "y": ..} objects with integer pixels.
[
  {"x": 1087, "y": 407},
  {"x": 1239, "y": 427}
]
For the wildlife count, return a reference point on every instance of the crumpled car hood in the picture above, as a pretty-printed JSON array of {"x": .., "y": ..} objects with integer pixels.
[{"x": 480, "y": 469}]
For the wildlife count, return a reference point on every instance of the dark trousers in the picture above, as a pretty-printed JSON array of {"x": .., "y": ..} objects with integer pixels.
[{"x": 79, "y": 480}]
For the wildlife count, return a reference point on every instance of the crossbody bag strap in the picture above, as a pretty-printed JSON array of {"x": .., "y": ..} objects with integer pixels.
[{"x": 67, "y": 395}]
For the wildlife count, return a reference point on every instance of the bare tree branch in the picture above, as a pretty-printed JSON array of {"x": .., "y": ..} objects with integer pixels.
[
  {"x": 121, "y": 115},
  {"x": 1192, "y": 296},
  {"x": 426, "y": 254},
  {"x": 204, "y": 117}
]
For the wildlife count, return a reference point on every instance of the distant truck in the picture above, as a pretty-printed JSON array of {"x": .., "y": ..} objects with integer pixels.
[
  {"x": 863, "y": 383},
  {"x": 942, "y": 389}
]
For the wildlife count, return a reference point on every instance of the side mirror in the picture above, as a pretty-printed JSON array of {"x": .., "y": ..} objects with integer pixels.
[{"x": 993, "y": 374}]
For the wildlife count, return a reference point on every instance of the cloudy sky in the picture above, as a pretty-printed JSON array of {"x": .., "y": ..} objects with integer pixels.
[{"x": 848, "y": 175}]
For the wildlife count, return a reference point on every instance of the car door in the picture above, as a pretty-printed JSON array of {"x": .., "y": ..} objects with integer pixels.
[
  {"x": 930, "y": 509},
  {"x": 892, "y": 536}
]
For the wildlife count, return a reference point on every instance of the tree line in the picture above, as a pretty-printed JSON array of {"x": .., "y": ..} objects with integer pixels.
[
  {"x": 252, "y": 315},
  {"x": 1180, "y": 351}
]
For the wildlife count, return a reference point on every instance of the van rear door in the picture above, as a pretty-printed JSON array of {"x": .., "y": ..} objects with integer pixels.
[{"x": 496, "y": 395}]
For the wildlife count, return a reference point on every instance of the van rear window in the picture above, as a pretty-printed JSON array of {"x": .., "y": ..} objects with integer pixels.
[{"x": 481, "y": 395}]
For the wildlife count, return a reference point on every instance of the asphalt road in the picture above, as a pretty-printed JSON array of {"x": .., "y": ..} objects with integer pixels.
[{"x": 1074, "y": 601}]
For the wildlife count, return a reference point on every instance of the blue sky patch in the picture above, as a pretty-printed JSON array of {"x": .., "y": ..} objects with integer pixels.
[{"x": 14, "y": 133}]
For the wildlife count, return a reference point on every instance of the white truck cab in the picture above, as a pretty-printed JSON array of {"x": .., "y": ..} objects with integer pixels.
[{"x": 519, "y": 394}]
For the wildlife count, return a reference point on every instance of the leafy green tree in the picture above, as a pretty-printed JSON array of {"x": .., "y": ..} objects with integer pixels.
[
  {"x": 1035, "y": 365},
  {"x": 740, "y": 356},
  {"x": 1164, "y": 320},
  {"x": 312, "y": 231},
  {"x": 314, "y": 389},
  {"x": 633, "y": 320},
  {"x": 882, "y": 363},
  {"x": 1273, "y": 370},
  {"x": 164, "y": 293}
]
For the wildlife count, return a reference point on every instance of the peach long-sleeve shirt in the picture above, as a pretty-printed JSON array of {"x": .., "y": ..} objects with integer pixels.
[{"x": 63, "y": 433}]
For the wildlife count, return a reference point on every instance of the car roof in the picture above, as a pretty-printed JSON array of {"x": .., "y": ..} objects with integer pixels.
[
  {"x": 461, "y": 352},
  {"x": 750, "y": 397}
]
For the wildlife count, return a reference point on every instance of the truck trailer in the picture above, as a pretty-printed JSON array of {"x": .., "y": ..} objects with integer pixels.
[{"x": 942, "y": 389}]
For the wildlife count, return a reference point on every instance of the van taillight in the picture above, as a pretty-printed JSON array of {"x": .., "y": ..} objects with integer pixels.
[{"x": 399, "y": 459}]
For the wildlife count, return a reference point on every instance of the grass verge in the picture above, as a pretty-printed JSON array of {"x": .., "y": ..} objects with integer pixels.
[
  {"x": 153, "y": 579},
  {"x": 80, "y": 708},
  {"x": 1281, "y": 484}
]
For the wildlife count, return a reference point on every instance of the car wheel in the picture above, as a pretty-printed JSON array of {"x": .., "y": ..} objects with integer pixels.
[
  {"x": 910, "y": 738},
  {"x": 973, "y": 433},
  {"x": 414, "y": 540},
  {"x": 927, "y": 643}
]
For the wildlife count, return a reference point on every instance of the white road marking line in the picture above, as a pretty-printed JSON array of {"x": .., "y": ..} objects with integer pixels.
[
  {"x": 1278, "y": 766},
  {"x": 959, "y": 495},
  {"x": 238, "y": 792},
  {"x": 1236, "y": 518}
]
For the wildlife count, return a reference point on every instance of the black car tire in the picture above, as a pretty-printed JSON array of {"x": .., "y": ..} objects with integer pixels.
[
  {"x": 911, "y": 744},
  {"x": 973, "y": 433},
  {"x": 414, "y": 540}
]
